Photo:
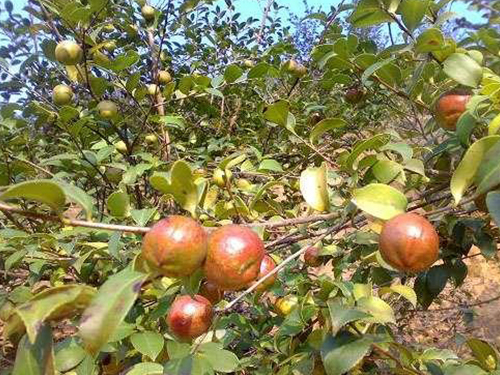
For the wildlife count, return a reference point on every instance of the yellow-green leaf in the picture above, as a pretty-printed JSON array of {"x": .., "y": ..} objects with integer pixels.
[
  {"x": 314, "y": 189},
  {"x": 379, "y": 200}
]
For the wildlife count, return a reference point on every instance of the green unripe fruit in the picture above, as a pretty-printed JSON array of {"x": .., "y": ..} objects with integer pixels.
[
  {"x": 153, "y": 89},
  {"x": 220, "y": 177},
  {"x": 107, "y": 109},
  {"x": 151, "y": 138},
  {"x": 121, "y": 146},
  {"x": 148, "y": 12},
  {"x": 131, "y": 30},
  {"x": 62, "y": 95},
  {"x": 110, "y": 46},
  {"x": 68, "y": 52},
  {"x": 164, "y": 77},
  {"x": 109, "y": 28}
]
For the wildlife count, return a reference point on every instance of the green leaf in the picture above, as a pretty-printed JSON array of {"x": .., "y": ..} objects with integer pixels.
[
  {"x": 488, "y": 174},
  {"x": 148, "y": 343},
  {"x": 380, "y": 311},
  {"x": 341, "y": 315},
  {"x": 493, "y": 204},
  {"x": 178, "y": 182},
  {"x": 370, "y": 144},
  {"x": 108, "y": 308},
  {"x": 403, "y": 290},
  {"x": 232, "y": 73},
  {"x": 484, "y": 353},
  {"x": 270, "y": 165},
  {"x": 463, "y": 69},
  {"x": 142, "y": 217},
  {"x": 342, "y": 352},
  {"x": 53, "y": 304},
  {"x": 464, "y": 370},
  {"x": 78, "y": 196},
  {"x": 68, "y": 355},
  {"x": 118, "y": 204},
  {"x": 35, "y": 358},
  {"x": 325, "y": 125},
  {"x": 259, "y": 70},
  {"x": 430, "y": 40},
  {"x": 261, "y": 191},
  {"x": 44, "y": 191},
  {"x": 412, "y": 12},
  {"x": 277, "y": 113},
  {"x": 466, "y": 171},
  {"x": 379, "y": 200},
  {"x": 146, "y": 368},
  {"x": 177, "y": 349},
  {"x": 220, "y": 359},
  {"x": 368, "y": 13},
  {"x": 314, "y": 188},
  {"x": 124, "y": 61},
  {"x": 373, "y": 68},
  {"x": 386, "y": 170}
]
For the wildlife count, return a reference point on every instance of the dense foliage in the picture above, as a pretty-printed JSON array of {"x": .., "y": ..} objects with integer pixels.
[{"x": 313, "y": 136}]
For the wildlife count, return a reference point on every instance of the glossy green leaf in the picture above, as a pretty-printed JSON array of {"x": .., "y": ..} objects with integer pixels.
[
  {"x": 379, "y": 200},
  {"x": 412, "y": 12},
  {"x": 142, "y": 217},
  {"x": 277, "y": 113},
  {"x": 78, "y": 196},
  {"x": 342, "y": 352},
  {"x": 386, "y": 170},
  {"x": 270, "y": 165},
  {"x": 488, "y": 174},
  {"x": 403, "y": 290},
  {"x": 44, "y": 191},
  {"x": 466, "y": 171},
  {"x": 118, "y": 204},
  {"x": 493, "y": 204},
  {"x": 380, "y": 311},
  {"x": 484, "y": 353},
  {"x": 259, "y": 70},
  {"x": 373, "y": 68},
  {"x": 430, "y": 40},
  {"x": 146, "y": 368},
  {"x": 368, "y": 13},
  {"x": 370, "y": 144},
  {"x": 232, "y": 73},
  {"x": 148, "y": 343},
  {"x": 220, "y": 359},
  {"x": 35, "y": 358},
  {"x": 463, "y": 69},
  {"x": 55, "y": 303},
  {"x": 325, "y": 125},
  {"x": 68, "y": 355},
  {"x": 108, "y": 308},
  {"x": 314, "y": 188},
  {"x": 341, "y": 315}
]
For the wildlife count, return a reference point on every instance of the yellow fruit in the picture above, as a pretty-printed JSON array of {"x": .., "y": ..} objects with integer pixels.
[
  {"x": 220, "y": 177},
  {"x": 107, "y": 109},
  {"x": 62, "y": 95},
  {"x": 148, "y": 12},
  {"x": 285, "y": 305},
  {"x": 121, "y": 146},
  {"x": 68, "y": 52},
  {"x": 164, "y": 77},
  {"x": 151, "y": 138},
  {"x": 109, "y": 28},
  {"x": 153, "y": 89},
  {"x": 110, "y": 45},
  {"x": 248, "y": 63}
]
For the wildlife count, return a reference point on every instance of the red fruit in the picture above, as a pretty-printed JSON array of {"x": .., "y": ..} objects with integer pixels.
[
  {"x": 266, "y": 266},
  {"x": 354, "y": 95},
  {"x": 211, "y": 292},
  {"x": 409, "y": 242},
  {"x": 449, "y": 108},
  {"x": 234, "y": 255},
  {"x": 176, "y": 246},
  {"x": 189, "y": 317},
  {"x": 311, "y": 257}
]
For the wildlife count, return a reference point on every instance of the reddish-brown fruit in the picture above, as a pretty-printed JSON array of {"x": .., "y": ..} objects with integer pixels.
[
  {"x": 409, "y": 242},
  {"x": 480, "y": 203},
  {"x": 189, "y": 317},
  {"x": 449, "y": 108},
  {"x": 354, "y": 95},
  {"x": 267, "y": 265},
  {"x": 211, "y": 292},
  {"x": 311, "y": 257},
  {"x": 234, "y": 255},
  {"x": 176, "y": 246}
]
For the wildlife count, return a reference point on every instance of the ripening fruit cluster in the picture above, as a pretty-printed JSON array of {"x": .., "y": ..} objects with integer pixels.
[{"x": 232, "y": 258}]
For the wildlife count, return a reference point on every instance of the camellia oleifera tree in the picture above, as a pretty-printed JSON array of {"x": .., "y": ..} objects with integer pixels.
[{"x": 181, "y": 194}]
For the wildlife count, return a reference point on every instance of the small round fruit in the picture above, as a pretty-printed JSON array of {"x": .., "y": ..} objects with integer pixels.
[
  {"x": 409, "y": 243},
  {"x": 68, "y": 52},
  {"x": 132, "y": 30},
  {"x": 176, "y": 246},
  {"x": 300, "y": 71},
  {"x": 220, "y": 177},
  {"x": 291, "y": 66},
  {"x": 189, "y": 317},
  {"x": 354, "y": 95},
  {"x": 148, "y": 12},
  {"x": 110, "y": 45},
  {"x": 62, "y": 95},
  {"x": 248, "y": 63},
  {"x": 449, "y": 107},
  {"x": 234, "y": 256},
  {"x": 211, "y": 292},
  {"x": 121, "y": 146},
  {"x": 164, "y": 77},
  {"x": 268, "y": 264},
  {"x": 153, "y": 89},
  {"x": 311, "y": 257},
  {"x": 285, "y": 305},
  {"x": 107, "y": 109},
  {"x": 108, "y": 28},
  {"x": 315, "y": 118},
  {"x": 151, "y": 139}
]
